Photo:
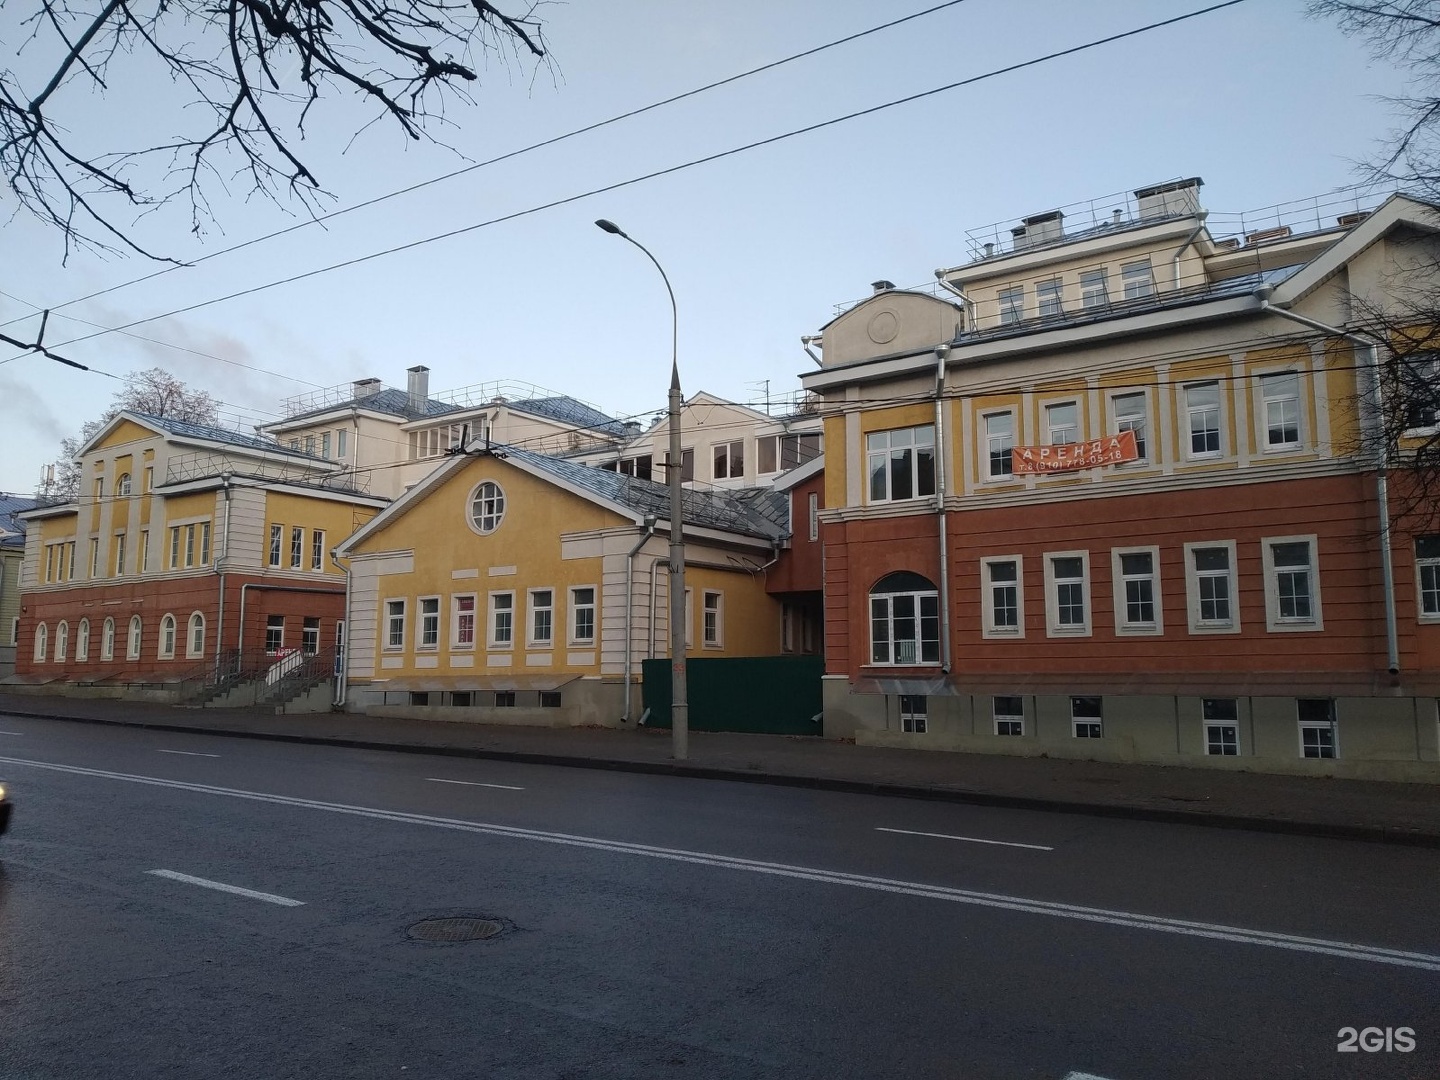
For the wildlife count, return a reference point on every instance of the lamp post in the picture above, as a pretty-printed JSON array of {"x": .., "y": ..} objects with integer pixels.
[{"x": 679, "y": 704}]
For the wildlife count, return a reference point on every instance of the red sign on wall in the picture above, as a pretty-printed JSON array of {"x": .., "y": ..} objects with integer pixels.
[{"x": 1111, "y": 450}]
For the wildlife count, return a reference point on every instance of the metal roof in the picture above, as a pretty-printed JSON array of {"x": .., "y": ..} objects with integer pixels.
[
  {"x": 759, "y": 512},
  {"x": 568, "y": 410},
  {"x": 10, "y": 505},
  {"x": 216, "y": 434},
  {"x": 389, "y": 400}
]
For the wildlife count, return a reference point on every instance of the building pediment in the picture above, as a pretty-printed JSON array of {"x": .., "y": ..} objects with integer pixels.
[{"x": 893, "y": 322}]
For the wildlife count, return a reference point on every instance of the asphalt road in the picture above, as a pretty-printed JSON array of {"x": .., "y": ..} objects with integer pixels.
[{"x": 661, "y": 927}]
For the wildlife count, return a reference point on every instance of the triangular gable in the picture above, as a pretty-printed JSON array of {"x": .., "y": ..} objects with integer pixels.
[
  {"x": 124, "y": 427},
  {"x": 1394, "y": 211},
  {"x": 439, "y": 477}
]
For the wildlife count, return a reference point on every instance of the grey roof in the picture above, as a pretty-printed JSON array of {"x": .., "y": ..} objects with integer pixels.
[
  {"x": 216, "y": 434},
  {"x": 11, "y": 505},
  {"x": 759, "y": 512},
  {"x": 569, "y": 411},
  {"x": 390, "y": 400},
  {"x": 1121, "y": 309}
]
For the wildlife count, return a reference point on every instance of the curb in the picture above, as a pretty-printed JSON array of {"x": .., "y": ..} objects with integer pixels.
[{"x": 1383, "y": 834}]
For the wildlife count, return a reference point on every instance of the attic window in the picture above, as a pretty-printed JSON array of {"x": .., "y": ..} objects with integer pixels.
[{"x": 487, "y": 507}]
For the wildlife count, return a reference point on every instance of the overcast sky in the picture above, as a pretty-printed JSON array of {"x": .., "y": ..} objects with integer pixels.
[{"x": 1264, "y": 104}]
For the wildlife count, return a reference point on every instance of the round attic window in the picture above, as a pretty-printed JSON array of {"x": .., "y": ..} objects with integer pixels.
[
  {"x": 487, "y": 507},
  {"x": 884, "y": 325}
]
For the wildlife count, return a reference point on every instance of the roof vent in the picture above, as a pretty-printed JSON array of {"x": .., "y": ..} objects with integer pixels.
[
  {"x": 882, "y": 285},
  {"x": 1230, "y": 243},
  {"x": 365, "y": 388},
  {"x": 1178, "y": 198},
  {"x": 1039, "y": 229},
  {"x": 418, "y": 386},
  {"x": 1346, "y": 221},
  {"x": 1266, "y": 236}
]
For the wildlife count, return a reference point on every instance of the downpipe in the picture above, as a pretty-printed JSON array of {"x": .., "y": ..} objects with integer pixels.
[
  {"x": 942, "y": 353},
  {"x": 650, "y": 522}
]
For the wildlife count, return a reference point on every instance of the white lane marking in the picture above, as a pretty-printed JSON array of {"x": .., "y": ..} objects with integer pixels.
[
  {"x": 1082, "y": 1076},
  {"x": 967, "y": 839},
  {"x": 12, "y": 733},
  {"x": 269, "y": 898},
  {"x": 187, "y": 753},
  {"x": 474, "y": 783},
  {"x": 1130, "y": 920}
]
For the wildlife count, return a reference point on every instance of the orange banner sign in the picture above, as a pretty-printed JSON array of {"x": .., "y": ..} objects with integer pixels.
[{"x": 1111, "y": 450}]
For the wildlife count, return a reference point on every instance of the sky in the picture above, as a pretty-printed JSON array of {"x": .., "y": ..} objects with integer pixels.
[{"x": 760, "y": 247}]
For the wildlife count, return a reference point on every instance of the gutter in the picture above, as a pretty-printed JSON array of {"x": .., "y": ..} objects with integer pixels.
[
  {"x": 1382, "y": 481},
  {"x": 650, "y": 522},
  {"x": 972, "y": 319},
  {"x": 942, "y": 353}
]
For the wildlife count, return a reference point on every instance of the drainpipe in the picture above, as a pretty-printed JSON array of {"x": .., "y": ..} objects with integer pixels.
[
  {"x": 1382, "y": 482},
  {"x": 1175, "y": 259},
  {"x": 806, "y": 340},
  {"x": 220, "y": 571},
  {"x": 650, "y": 523},
  {"x": 342, "y": 677},
  {"x": 969, "y": 305},
  {"x": 942, "y": 353},
  {"x": 650, "y": 624}
]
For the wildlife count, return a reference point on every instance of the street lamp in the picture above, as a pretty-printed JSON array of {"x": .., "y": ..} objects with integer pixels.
[{"x": 679, "y": 704}]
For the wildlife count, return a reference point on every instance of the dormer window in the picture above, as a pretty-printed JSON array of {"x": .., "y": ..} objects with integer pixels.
[
  {"x": 1093, "y": 293},
  {"x": 1138, "y": 280},
  {"x": 1012, "y": 305}
]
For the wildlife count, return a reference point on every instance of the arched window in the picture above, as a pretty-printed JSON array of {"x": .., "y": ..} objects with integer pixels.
[
  {"x": 122, "y": 485},
  {"x": 42, "y": 642},
  {"x": 107, "y": 640},
  {"x": 487, "y": 507},
  {"x": 167, "y": 637},
  {"x": 132, "y": 646},
  {"x": 904, "y": 620},
  {"x": 62, "y": 642},
  {"x": 195, "y": 642},
  {"x": 82, "y": 642}
]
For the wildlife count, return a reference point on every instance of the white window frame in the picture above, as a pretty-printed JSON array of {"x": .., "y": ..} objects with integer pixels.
[
  {"x": 885, "y": 452},
  {"x": 1274, "y": 621},
  {"x": 82, "y": 642},
  {"x": 457, "y": 615},
  {"x": 107, "y": 640},
  {"x": 122, "y": 485},
  {"x": 142, "y": 564},
  {"x": 395, "y": 608},
  {"x": 134, "y": 638},
  {"x": 1265, "y": 383},
  {"x": 493, "y": 611},
  {"x": 1427, "y": 599},
  {"x": 277, "y": 542},
  {"x": 1137, "y": 279},
  {"x": 727, "y": 460},
  {"x": 575, "y": 638},
  {"x": 149, "y": 479},
  {"x": 1192, "y": 590},
  {"x": 1119, "y": 580},
  {"x": 1422, "y": 369},
  {"x": 914, "y": 713},
  {"x": 1211, "y": 723},
  {"x": 1332, "y": 725},
  {"x": 989, "y": 627},
  {"x": 919, "y": 597},
  {"x": 1189, "y": 413},
  {"x": 689, "y": 618},
  {"x": 325, "y": 445},
  {"x": 317, "y": 550},
  {"x": 42, "y": 643},
  {"x": 94, "y": 557},
  {"x": 1050, "y": 298},
  {"x": 297, "y": 548},
  {"x": 1077, "y": 426},
  {"x": 485, "y": 509},
  {"x": 994, "y": 444},
  {"x": 342, "y": 448},
  {"x": 1053, "y": 626},
  {"x": 165, "y": 649},
  {"x": 1091, "y": 297},
  {"x": 428, "y": 610},
  {"x": 1076, "y": 720},
  {"x": 1008, "y": 717},
  {"x": 532, "y": 612},
  {"x": 813, "y": 507},
  {"x": 279, "y": 627},
  {"x": 712, "y": 631},
  {"x": 119, "y": 554},
  {"x": 195, "y": 632},
  {"x": 1011, "y": 301},
  {"x": 1119, "y": 423},
  {"x": 62, "y": 641}
]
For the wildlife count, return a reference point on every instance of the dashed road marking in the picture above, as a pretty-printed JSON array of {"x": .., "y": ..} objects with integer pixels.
[
  {"x": 967, "y": 839},
  {"x": 1125, "y": 919},
  {"x": 474, "y": 783},
  {"x": 186, "y": 753},
  {"x": 206, "y": 883}
]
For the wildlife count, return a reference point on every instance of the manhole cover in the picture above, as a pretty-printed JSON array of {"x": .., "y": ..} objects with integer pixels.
[{"x": 458, "y": 929}]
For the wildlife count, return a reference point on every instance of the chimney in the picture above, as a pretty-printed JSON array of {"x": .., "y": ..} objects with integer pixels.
[
  {"x": 1038, "y": 229},
  {"x": 1178, "y": 198},
  {"x": 365, "y": 388},
  {"x": 882, "y": 285},
  {"x": 419, "y": 387}
]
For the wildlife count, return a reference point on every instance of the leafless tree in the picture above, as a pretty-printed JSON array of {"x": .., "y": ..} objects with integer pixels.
[
  {"x": 155, "y": 392},
  {"x": 222, "y": 91}
]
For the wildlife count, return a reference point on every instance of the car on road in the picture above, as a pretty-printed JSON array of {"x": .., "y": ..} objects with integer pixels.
[{"x": 4, "y": 809}]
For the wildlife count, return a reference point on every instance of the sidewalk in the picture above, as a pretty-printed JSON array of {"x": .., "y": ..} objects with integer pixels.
[{"x": 1358, "y": 809}]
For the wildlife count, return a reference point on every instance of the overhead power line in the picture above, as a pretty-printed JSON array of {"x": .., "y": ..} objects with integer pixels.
[{"x": 694, "y": 162}]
